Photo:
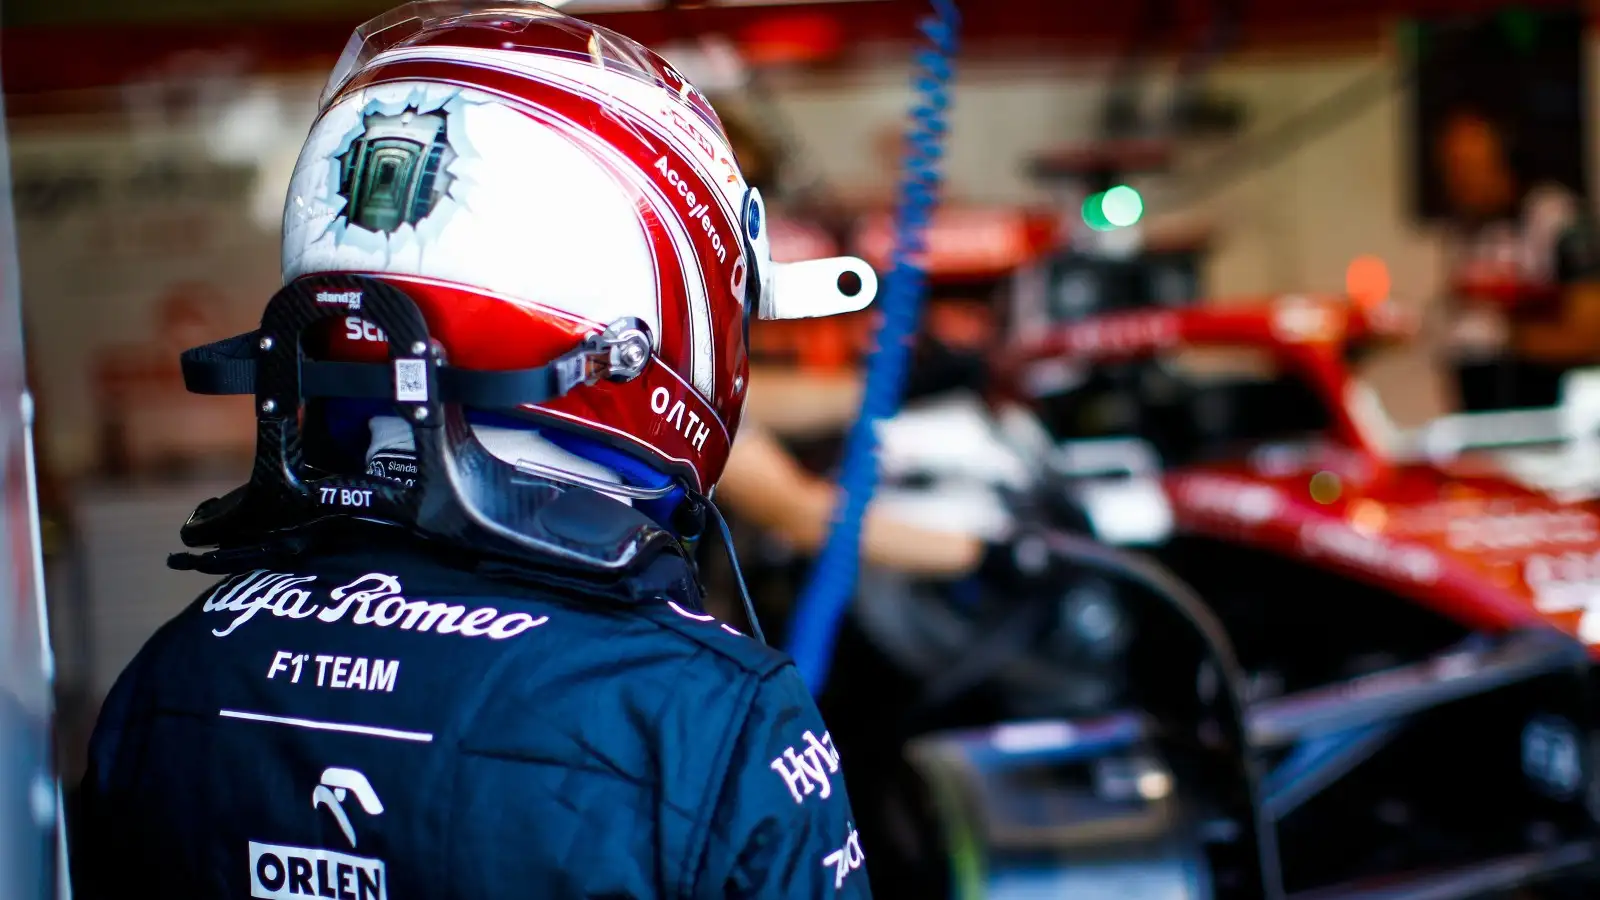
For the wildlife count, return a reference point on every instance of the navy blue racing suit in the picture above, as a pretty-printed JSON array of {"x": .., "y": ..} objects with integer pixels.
[{"x": 403, "y": 724}]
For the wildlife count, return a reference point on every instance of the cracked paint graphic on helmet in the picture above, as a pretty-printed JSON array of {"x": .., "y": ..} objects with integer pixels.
[
  {"x": 370, "y": 199},
  {"x": 517, "y": 207},
  {"x": 396, "y": 172}
]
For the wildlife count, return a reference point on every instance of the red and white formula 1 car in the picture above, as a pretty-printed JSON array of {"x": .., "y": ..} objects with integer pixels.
[
  {"x": 1484, "y": 519},
  {"x": 1406, "y": 621}
]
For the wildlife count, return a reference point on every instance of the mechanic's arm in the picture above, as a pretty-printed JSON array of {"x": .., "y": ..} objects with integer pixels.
[
  {"x": 800, "y": 404},
  {"x": 765, "y": 485},
  {"x": 782, "y": 825},
  {"x": 1573, "y": 337}
]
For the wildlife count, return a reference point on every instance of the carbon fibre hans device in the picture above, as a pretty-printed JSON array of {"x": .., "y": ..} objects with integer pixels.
[{"x": 463, "y": 495}]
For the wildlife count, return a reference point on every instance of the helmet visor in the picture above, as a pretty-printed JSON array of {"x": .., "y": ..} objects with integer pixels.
[{"x": 512, "y": 20}]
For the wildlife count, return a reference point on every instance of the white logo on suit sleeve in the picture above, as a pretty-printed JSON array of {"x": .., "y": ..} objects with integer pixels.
[
  {"x": 846, "y": 859},
  {"x": 807, "y": 772}
]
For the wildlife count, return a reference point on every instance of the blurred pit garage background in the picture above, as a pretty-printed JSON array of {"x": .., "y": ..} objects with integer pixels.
[{"x": 1429, "y": 162}]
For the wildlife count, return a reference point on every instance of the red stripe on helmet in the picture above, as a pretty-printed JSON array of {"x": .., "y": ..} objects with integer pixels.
[{"x": 660, "y": 413}]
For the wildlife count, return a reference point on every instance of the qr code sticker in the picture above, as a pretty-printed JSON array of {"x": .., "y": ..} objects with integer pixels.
[{"x": 411, "y": 380}]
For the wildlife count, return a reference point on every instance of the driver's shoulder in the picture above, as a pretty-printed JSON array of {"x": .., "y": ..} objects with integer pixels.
[{"x": 721, "y": 647}]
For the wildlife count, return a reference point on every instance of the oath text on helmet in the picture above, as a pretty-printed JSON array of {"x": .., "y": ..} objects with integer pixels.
[{"x": 694, "y": 429}]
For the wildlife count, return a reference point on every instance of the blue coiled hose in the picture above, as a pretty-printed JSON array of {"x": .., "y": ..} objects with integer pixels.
[{"x": 832, "y": 585}]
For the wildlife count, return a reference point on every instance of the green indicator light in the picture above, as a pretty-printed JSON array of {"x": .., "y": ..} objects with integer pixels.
[
  {"x": 1122, "y": 206},
  {"x": 1094, "y": 212}
]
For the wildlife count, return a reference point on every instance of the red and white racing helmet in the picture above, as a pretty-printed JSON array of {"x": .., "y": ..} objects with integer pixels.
[{"x": 529, "y": 179}]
